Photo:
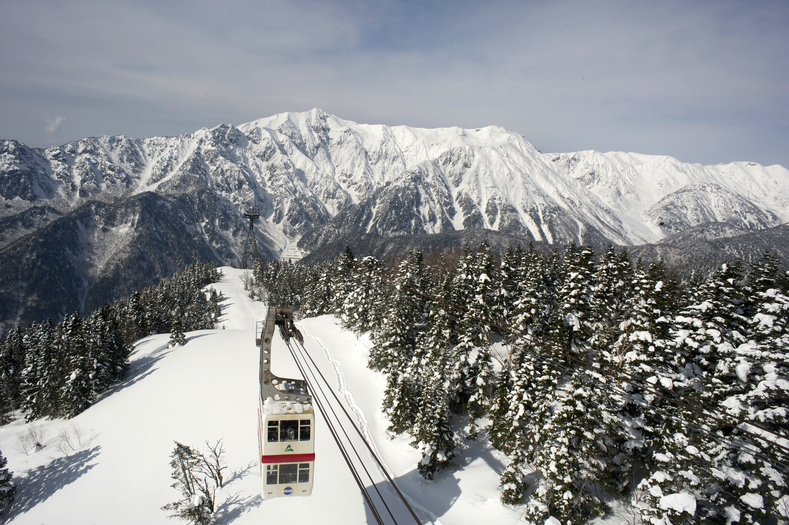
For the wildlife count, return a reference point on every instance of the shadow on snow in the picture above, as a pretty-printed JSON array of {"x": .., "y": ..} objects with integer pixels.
[
  {"x": 438, "y": 496},
  {"x": 41, "y": 483},
  {"x": 235, "y": 505}
]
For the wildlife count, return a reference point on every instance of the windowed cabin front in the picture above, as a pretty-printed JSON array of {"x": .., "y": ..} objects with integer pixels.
[{"x": 287, "y": 445}]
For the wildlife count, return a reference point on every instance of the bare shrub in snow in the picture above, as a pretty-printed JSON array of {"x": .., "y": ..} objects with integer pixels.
[
  {"x": 31, "y": 439},
  {"x": 70, "y": 439},
  {"x": 197, "y": 477},
  {"x": 213, "y": 463}
]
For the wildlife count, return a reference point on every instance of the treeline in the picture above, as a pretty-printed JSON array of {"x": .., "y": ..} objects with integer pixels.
[
  {"x": 59, "y": 370},
  {"x": 595, "y": 375}
]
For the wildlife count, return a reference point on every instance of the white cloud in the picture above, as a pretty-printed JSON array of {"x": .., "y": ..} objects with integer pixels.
[
  {"x": 704, "y": 82},
  {"x": 53, "y": 124}
]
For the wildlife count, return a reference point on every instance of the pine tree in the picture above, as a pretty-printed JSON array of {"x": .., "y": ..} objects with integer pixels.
[
  {"x": 482, "y": 310},
  {"x": 12, "y": 363},
  {"x": 7, "y": 485},
  {"x": 397, "y": 351},
  {"x": 177, "y": 336},
  {"x": 344, "y": 280},
  {"x": 572, "y": 327},
  {"x": 79, "y": 388},
  {"x": 432, "y": 430},
  {"x": 361, "y": 307}
]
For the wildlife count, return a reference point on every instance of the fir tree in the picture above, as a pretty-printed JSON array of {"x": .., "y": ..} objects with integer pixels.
[
  {"x": 432, "y": 431},
  {"x": 397, "y": 350},
  {"x": 12, "y": 363},
  {"x": 403, "y": 320},
  {"x": 344, "y": 280},
  {"x": 482, "y": 310},
  {"x": 513, "y": 406},
  {"x": 464, "y": 369},
  {"x": 177, "y": 336},
  {"x": 319, "y": 291},
  {"x": 79, "y": 388},
  {"x": 45, "y": 370},
  {"x": 572, "y": 326},
  {"x": 612, "y": 281},
  {"x": 361, "y": 308},
  {"x": 7, "y": 485},
  {"x": 571, "y": 464}
]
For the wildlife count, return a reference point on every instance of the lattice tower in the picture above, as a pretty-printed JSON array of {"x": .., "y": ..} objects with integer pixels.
[{"x": 251, "y": 245}]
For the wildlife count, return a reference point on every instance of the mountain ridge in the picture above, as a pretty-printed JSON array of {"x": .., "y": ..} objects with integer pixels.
[{"x": 316, "y": 178}]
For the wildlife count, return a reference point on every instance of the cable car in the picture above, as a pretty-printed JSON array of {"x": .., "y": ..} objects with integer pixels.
[{"x": 286, "y": 419}]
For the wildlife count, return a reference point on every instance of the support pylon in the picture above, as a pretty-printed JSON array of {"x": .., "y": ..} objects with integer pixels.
[{"x": 251, "y": 245}]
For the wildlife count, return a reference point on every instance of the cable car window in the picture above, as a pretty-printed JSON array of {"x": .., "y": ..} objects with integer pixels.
[
  {"x": 271, "y": 475},
  {"x": 304, "y": 473},
  {"x": 273, "y": 431},
  {"x": 287, "y": 473},
  {"x": 288, "y": 430},
  {"x": 304, "y": 430}
]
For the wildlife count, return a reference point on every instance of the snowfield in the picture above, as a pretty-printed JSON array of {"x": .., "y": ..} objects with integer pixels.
[{"x": 117, "y": 470}]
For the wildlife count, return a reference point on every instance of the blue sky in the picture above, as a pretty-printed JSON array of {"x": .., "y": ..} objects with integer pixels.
[{"x": 700, "y": 81}]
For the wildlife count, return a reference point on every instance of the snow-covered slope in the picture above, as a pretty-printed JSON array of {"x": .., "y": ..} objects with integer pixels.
[
  {"x": 207, "y": 390},
  {"x": 648, "y": 190}
]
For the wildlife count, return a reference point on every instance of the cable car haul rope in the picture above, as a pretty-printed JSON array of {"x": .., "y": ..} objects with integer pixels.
[{"x": 286, "y": 430}]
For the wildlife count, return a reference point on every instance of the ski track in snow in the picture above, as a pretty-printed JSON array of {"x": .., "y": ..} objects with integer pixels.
[
  {"x": 364, "y": 427},
  {"x": 246, "y": 303},
  {"x": 343, "y": 390}
]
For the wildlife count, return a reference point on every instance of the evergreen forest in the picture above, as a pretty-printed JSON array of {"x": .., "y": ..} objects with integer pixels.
[
  {"x": 59, "y": 370},
  {"x": 598, "y": 377}
]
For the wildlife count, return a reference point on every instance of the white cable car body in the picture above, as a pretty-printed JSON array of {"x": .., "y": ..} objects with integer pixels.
[{"x": 286, "y": 420}]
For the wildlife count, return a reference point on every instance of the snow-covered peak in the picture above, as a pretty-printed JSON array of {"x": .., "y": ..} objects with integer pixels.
[
  {"x": 632, "y": 183},
  {"x": 304, "y": 169}
]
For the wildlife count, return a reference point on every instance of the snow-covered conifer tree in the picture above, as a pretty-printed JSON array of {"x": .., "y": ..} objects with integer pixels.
[
  {"x": 177, "y": 336},
  {"x": 572, "y": 327},
  {"x": 7, "y": 485},
  {"x": 344, "y": 279},
  {"x": 572, "y": 460},
  {"x": 12, "y": 363},
  {"x": 318, "y": 291},
  {"x": 481, "y": 313},
  {"x": 432, "y": 430},
  {"x": 464, "y": 369},
  {"x": 78, "y": 390},
  {"x": 398, "y": 341},
  {"x": 361, "y": 307},
  {"x": 612, "y": 281},
  {"x": 44, "y": 370}
]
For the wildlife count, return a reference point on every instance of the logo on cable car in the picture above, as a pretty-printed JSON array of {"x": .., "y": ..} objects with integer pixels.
[
  {"x": 288, "y": 491},
  {"x": 288, "y": 449}
]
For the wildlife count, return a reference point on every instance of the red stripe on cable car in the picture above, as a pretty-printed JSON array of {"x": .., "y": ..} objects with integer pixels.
[{"x": 287, "y": 458}]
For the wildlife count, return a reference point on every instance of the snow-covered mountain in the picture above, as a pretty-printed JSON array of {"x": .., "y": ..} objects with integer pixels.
[
  {"x": 668, "y": 196},
  {"x": 304, "y": 169},
  {"x": 100, "y": 216}
]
